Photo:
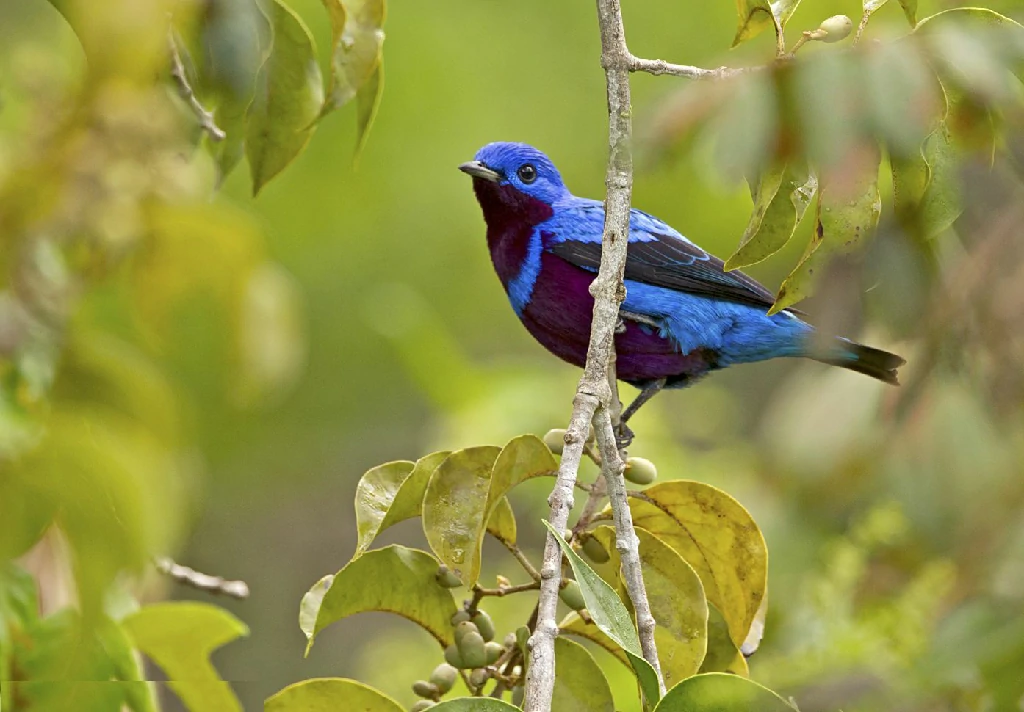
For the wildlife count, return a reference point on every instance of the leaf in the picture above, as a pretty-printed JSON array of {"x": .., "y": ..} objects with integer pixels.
[
  {"x": 523, "y": 458},
  {"x": 780, "y": 199},
  {"x": 720, "y": 692},
  {"x": 309, "y": 607},
  {"x": 356, "y": 55},
  {"x": 117, "y": 645},
  {"x": 984, "y": 49},
  {"x": 610, "y": 615},
  {"x": 783, "y": 10},
  {"x": 281, "y": 119},
  {"x": 179, "y": 637},
  {"x": 329, "y": 694},
  {"x": 717, "y": 537},
  {"x": 502, "y": 523},
  {"x": 580, "y": 685},
  {"x": 723, "y": 655},
  {"x": 474, "y": 704},
  {"x": 367, "y": 102},
  {"x": 572, "y": 624},
  {"x": 870, "y": 6},
  {"x": 910, "y": 10},
  {"x": 393, "y": 579},
  {"x": 941, "y": 203},
  {"x": 19, "y": 606},
  {"x": 849, "y": 206},
  {"x": 754, "y": 17}
]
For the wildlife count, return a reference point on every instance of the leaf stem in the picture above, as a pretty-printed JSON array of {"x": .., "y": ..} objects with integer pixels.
[{"x": 203, "y": 582}]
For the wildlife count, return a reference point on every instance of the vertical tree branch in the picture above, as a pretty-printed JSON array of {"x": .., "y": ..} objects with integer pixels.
[{"x": 594, "y": 394}]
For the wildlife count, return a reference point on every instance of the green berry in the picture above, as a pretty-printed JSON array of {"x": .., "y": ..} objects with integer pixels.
[
  {"x": 460, "y": 617},
  {"x": 494, "y": 651},
  {"x": 422, "y": 705},
  {"x": 444, "y": 677},
  {"x": 447, "y": 578},
  {"x": 426, "y": 689},
  {"x": 555, "y": 440},
  {"x": 472, "y": 650},
  {"x": 454, "y": 657},
  {"x": 836, "y": 28},
  {"x": 572, "y": 596},
  {"x": 478, "y": 677},
  {"x": 462, "y": 629},
  {"x": 484, "y": 624},
  {"x": 640, "y": 471},
  {"x": 595, "y": 551}
]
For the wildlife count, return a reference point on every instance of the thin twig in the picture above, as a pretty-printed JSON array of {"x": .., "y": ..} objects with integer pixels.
[
  {"x": 480, "y": 592},
  {"x": 660, "y": 66},
  {"x": 204, "y": 117},
  {"x": 203, "y": 582}
]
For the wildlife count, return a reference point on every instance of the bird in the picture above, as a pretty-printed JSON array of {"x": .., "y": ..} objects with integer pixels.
[{"x": 683, "y": 316}]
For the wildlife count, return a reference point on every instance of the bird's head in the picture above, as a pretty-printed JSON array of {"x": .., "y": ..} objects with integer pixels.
[{"x": 515, "y": 177}]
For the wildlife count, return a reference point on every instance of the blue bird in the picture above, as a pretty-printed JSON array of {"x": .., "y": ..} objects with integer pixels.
[{"x": 684, "y": 315}]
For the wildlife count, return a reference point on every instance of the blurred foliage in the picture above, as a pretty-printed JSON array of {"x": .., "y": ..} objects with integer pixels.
[{"x": 152, "y": 336}]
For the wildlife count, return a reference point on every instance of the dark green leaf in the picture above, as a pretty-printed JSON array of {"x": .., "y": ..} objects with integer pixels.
[
  {"x": 720, "y": 692},
  {"x": 611, "y": 616},
  {"x": 580, "y": 685},
  {"x": 179, "y": 637},
  {"x": 290, "y": 99},
  {"x": 393, "y": 579},
  {"x": 330, "y": 694}
]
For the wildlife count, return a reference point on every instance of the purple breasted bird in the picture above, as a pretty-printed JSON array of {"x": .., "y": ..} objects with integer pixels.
[{"x": 683, "y": 315}]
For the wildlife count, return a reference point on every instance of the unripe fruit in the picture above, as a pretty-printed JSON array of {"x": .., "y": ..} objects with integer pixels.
[
  {"x": 444, "y": 677},
  {"x": 510, "y": 640},
  {"x": 484, "y": 624},
  {"x": 447, "y": 578},
  {"x": 572, "y": 596},
  {"x": 472, "y": 650},
  {"x": 425, "y": 689},
  {"x": 640, "y": 471},
  {"x": 594, "y": 551},
  {"x": 462, "y": 629},
  {"x": 555, "y": 440},
  {"x": 422, "y": 705},
  {"x": 494, "y": 651},
  {"x": 836, "y": 28},
  {"x": 478, "y": 677},
  {"x": 460, "y": 617},
  {"x": 518, "y": 695},
  {"x": 454, "y": 657}
]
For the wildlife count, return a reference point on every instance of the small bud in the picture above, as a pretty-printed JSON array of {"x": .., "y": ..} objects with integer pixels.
[
  {"x": 510, "y": 640},
  {"x": 422, "y": 705},
  {"x": 640, "y": 471},
  {"x": 555, "y": 440},
  {"x": 444, "y": 677},
  {"x": 478, "y": 677},
  {"x": 463, "y": 629},
  {"x": 594, "y": 551},
  {"x": 447, "y": 578},
  {"x": 472, "y": 650},
  {"x": 426, "y": 689},
  {"x": 835, "y": 28},
  {"x": 494, "y": 650},
  {"x": 454, "y": 657},
  {"x": 460, "y": 617},
  {"x": 502, "y": 581},
  {"x": 572, "y": 596},
  {"x": 484, "y": 624}
]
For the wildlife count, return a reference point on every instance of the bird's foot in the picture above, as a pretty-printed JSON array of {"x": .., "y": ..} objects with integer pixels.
[
  {"x": 620, "y": 326},
  {"x": 623, "y": 437}
]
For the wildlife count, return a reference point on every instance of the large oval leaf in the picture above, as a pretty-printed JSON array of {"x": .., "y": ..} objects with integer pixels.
[
  {"x": 720, "y": 692},
  {"x": 580, "y": 685},
  {"x": 474, "y": 704},
  {"x": 717, "y": 537},
  {"x": 179, "y": 637},
  {"x": 723, "y": 655},
  {"x": 393, "y": 579},
  {"x": 290, "y": 99},
  {"x": 391, "y": 493},
  {"x": 329, "y": 694},
  {"x": 572, "y": 624}
]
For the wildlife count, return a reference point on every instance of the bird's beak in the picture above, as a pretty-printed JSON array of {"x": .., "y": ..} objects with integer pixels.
[{"x": 479, "y": 170}]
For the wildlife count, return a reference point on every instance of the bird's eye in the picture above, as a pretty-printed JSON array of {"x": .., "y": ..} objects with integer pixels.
[{"x": 527, "y": 173}]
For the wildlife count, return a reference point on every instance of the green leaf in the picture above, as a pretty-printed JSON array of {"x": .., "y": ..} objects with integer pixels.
[
  {"x": 179, "y": 637},
  {"x": 329, "y": 694},
  {"x": 393, "y": 579},
  {"x": 720, "y": 692},
  {"x": 356, "y": 55},
  {"x": 572, "y": 624},
  {"x": 523, "y": 458},
  {"x": 754, "y": 17},
  {"x": 474, "y": 704},
  {"x": 717, "y": 537},
  {"x": 910, "y": 10},
  {"x": 941, "y": 202},
  {"x": 611, "y": 616},
  {"x": 849, "y": 206},
  {"x": 19, "y": 606},
  {"x": 723, "y": 654},
  {"x": 281, "y": 119},
  {"x": 502, "y": 523},
  {"x": 391, "y": 493},
  {"x": 784, "y": 9},
  {"x": 118, "y": 647},
  {"x": 985, "y": 51},
  {"x": 580, "y": 685},
  {"x": 781, "y": 197},
  {"x": 309, "y": 607},
  {"x": 367, "y": 101}
]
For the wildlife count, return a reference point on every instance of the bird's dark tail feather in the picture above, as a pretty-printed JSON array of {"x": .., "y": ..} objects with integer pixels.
[{"x": 865, "y": 359}]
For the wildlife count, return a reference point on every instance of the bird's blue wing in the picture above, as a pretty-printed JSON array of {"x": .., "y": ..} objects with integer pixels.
[{"x": 657, "y": 255}]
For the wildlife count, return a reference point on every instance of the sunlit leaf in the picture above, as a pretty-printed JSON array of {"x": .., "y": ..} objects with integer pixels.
[
  {"x": 356, "y": 54},
  {"x": 329, "y": 694},
  {"x": 780, "y": 199},
  {"x": 367, "y": 101},
  {"x": 502, "y": 523},
  {"x": 611, "y": 616},
  {"x": 393, "y": 579},
  {"x": 309, "y": 607},
  {"x": 522, "y": 459},
  {"x": 784, "y": 9},
  {"x": 723, "y": 654},
  {"x": 179, "y": 637},
  {"x": 717, "y": 537},
  {"x": 473, "y": 704},
  {"x": 580, "y": 685},
  {"x": 848, "y": 209},
  {"x": 290, "y": 99},
  {"x": 754, "y": 17},
  {"x": 720, "y": 692}
]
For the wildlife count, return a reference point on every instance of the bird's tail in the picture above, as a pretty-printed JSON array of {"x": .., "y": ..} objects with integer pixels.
[{"x": 863, "y": 359}]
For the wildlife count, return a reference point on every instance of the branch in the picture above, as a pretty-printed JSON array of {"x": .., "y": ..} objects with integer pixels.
[
  {"x": 204, "y": 117},
  {"x": 204, "y": 582},
  {"x": 660, "y": 66}
]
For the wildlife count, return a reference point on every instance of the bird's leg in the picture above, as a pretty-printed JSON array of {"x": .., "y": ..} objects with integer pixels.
[{"x": 625, "y": 436}]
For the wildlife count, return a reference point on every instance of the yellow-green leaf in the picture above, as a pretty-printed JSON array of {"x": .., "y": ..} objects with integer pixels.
[
  {"x": 329, "y": 694},
  {"x": 580, "y": 685},
  {"x": 179, "y": 637},
  {"x": 910, "y": 10},
  {"x": 754, "y": 17},
  {"x": 367, "y": 101},
  {"x": 523, "y": 458},
  {"x": 781, "y": 197},
  {"x": 309, "y": 607},
  {"x": 358, "y": 39},
  {"x": 289, "y": 101},
  {"x": 717, "y": 537},
  {"x": 502, "y": 523},
  {"x": 720, "y": 692},
  {"x": 723, "y": 655},
  {"x": 941, "y": 203},
  {"x": 572, "y": 624},
  {"x": 474, "y": 704},
  {"x": 393, "y": 579}
]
